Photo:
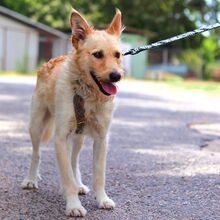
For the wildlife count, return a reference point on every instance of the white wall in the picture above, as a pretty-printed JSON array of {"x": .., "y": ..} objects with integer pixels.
[
  {"x": 126, "y": 59},
  {"x": 18, "y": 43},
  {"x": 1, "y": 47},
  {"x": 60, "y": 47},
  {"x": 33, "y": 50}
]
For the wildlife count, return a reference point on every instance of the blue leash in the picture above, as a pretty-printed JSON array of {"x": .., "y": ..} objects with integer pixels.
[{"x": 172, "y": 39}]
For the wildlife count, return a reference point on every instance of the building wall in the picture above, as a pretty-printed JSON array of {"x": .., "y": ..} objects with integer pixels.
[
  {"x": 127, "y": 65},
  {"x": 135, "y": 66},
  {"x": 18, "y": 46},
  {"x": 1, "y": 47},
  {"x": 61, "y": 47}
]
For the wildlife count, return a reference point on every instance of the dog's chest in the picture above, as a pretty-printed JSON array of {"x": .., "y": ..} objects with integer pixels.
[{"x": 90, "y": 116}]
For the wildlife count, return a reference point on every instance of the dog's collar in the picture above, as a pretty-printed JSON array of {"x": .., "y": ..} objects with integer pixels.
[{"x": 93, "y": 75}]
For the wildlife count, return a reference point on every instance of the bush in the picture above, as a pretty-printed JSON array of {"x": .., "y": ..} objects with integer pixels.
[
  {"x": 193, "y": 60},
  {"x": 213, "y": 71},
  {"x": 209, "y": 52}
]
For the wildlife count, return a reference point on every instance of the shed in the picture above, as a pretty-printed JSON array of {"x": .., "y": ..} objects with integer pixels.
[
  {"x": 24, "y": 43},
  {"x": 134, "y": 66}
]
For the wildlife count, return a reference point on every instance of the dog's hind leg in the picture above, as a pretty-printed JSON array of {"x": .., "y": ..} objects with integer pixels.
[
  {"x": 77, "y": 145},
  {"x": 38, "y": 121}
]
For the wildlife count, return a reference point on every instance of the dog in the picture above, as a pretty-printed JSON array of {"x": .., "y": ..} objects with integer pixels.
[{"x": 74, "y": 97}]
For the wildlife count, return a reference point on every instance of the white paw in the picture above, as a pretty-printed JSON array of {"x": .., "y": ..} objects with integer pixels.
[
  {"x": 78, "y": 211},
  {"x": 29, "y": 184},
  {"x": 106, "y": 203},
  {"x": 83, "y": 190}
]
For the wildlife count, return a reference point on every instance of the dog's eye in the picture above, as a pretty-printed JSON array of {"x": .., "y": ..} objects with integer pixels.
[
  {"x": 117, "y": 55},
  {"x": 98, "y": 54}
]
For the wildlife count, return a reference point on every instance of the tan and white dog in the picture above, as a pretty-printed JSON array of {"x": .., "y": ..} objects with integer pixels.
[{"x": 74, "y": 97}]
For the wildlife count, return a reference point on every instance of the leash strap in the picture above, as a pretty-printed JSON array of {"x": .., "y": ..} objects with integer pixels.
[{"x": 172, "y": 39}]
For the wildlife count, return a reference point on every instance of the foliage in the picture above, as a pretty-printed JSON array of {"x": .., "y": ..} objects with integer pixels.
[
  {"x": 53, "y": 13},
  {"x": 193, "y": 60},
  {"x": 201, "y": 61},
  {"x": 212, "y": 12},
  {"x": 163, "y": 18},
  {"x": 209, "y": 52},
  {"x": 209, "y": 49}
]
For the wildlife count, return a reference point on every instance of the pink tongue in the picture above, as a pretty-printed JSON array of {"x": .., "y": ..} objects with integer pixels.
[{"x": 109, "y": 88}]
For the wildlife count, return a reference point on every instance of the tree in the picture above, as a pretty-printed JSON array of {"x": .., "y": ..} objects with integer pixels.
[{"x": 163, "y": 18}]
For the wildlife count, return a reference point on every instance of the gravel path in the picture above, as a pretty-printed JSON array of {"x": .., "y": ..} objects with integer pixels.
[{"x": 156, "y": 169}]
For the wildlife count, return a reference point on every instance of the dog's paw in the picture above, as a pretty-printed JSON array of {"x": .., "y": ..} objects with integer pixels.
[
  {"x": 83, "y": 190},
  {"x": 106, "y": 203},
  {"x": 29, "y": 184},
  {"x": 78, "y": 211}
]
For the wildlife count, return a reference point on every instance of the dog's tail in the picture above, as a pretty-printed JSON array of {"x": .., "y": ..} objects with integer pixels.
[{"x": 48, "y": 131}]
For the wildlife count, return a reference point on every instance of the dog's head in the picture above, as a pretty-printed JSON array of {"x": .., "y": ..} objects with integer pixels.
[{"x": 98, "y": 53}]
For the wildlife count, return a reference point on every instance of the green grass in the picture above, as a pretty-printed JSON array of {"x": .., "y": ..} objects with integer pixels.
[
  {"x": 16, "y": 74},
  {"x": 194, "y": 85}
]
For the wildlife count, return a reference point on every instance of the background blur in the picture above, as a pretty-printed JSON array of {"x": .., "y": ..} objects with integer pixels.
[
  {"x": 32, "y": 32},
  {"x": 164, "y": 157}
]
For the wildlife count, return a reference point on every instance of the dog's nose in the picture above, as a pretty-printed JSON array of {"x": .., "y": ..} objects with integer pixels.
[{"x": 114, "y": 77}]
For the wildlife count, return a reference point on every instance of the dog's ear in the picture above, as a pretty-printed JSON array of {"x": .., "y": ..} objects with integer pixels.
[
  {"x": 79, "y": 26},
  {"x": 115, "y": 28}
]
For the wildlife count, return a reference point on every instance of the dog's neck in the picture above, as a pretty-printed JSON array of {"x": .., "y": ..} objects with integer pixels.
[{"x": 88, "y": 92}]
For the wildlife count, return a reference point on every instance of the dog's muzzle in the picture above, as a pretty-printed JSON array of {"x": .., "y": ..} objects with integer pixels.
[{"x": 107, "y": 88}]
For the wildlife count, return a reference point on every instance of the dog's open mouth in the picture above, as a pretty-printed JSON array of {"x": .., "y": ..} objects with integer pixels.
[{"x": 106, "y": 88}]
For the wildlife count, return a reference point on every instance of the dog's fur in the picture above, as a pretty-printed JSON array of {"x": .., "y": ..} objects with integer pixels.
[{"x": 58, "y": 82}]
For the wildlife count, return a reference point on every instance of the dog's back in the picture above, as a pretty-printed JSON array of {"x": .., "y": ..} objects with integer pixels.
[
  {"x": 46, "y": 79},
  {"x": 44, "y": 96}
]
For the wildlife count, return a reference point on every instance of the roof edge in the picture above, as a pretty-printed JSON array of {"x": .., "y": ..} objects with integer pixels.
[{"x": 23, "y": 19}]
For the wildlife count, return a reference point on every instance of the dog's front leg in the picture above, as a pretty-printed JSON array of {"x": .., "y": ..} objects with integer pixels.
[
  {"x": 73, "y": 204},
  {"x": 78, "y": 142},
  {"x": 99, "y": 163}
]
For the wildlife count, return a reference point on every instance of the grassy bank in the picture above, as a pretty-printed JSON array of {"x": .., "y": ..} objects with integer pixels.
[
  {"x": 193, "y": 85},
  {"x": 16, "y": 74}
]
